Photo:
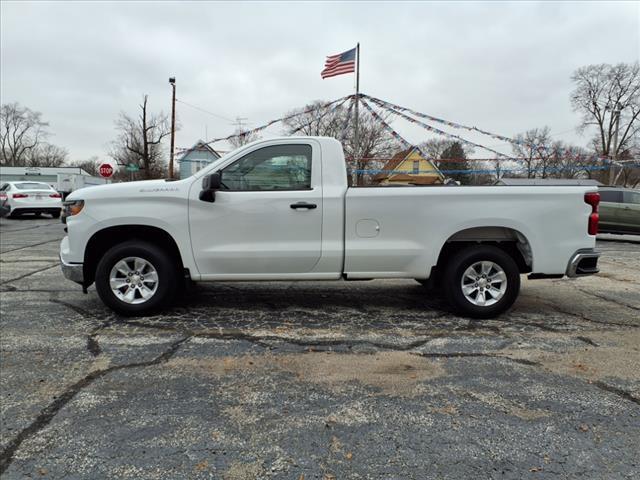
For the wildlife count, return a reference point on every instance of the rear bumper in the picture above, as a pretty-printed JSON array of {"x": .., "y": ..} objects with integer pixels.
[
  {"x": 51, "y": 210},
  {"x": 583, "y": 262}
]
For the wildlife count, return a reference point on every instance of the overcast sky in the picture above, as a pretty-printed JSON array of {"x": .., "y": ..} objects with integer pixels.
[{"x": 504, "y": 67}]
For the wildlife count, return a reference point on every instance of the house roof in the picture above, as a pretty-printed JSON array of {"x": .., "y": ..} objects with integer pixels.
[
  {"x": 396, "y": 160},
  {"x": 199, "y": 146}
]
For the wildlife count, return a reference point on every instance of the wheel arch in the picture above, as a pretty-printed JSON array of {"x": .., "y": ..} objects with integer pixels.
[
  {"x": 108, "y": 237},
  {"x": 508, "y": 239}
]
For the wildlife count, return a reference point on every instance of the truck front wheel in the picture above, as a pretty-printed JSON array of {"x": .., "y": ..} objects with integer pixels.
[
  {"x": 481, "y": 281},
  {"x": 136, "y": 278}
]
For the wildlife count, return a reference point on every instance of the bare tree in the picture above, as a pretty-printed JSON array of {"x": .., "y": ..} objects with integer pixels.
[
  {"x": 90, "y": 165},
  {"x": 570, "y": 161},
  {"x": 602, "y": 90},
  {"x": 434, "y": 148},
  {"x": 46, "y": 155},
  {"x": 629, "y": 175},
  {"x": 139, "y": 141},
  {"x": 243, "y": 137},
  {"x": 21, "y": 131},
  {"x": 535, "y": 150},
  {"x": 375, "y": 144}
]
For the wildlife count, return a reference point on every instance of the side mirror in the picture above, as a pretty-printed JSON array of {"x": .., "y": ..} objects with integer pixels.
[{"x": 210, "y": 184}]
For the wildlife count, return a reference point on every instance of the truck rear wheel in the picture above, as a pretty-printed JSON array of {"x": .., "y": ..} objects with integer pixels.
[
  {"x": 481, "y": 281},
  {"x": 136, "y": 278}
]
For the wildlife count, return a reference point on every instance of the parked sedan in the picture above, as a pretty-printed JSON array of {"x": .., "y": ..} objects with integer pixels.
[
  {"x": 30, "y": 197},
  {"x": 4, "y": 206},
  {"x": 619, "y": 210}
]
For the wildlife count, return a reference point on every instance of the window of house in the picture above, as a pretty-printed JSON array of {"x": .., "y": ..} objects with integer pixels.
[
  {"x": 278, "y": 167},
  {"x": 416, "y": 166}
]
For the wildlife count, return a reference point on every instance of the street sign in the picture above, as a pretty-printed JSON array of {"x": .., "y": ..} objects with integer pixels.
[
  {"x": 105, "y": 170},
  {"x": 132, "y": 167}
]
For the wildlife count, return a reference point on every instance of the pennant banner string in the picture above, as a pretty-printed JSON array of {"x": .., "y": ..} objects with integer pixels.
[
  {"x": 345, "y": 128},
  {"x": 282, "y": 119},
  {"x": 327, "y": 112},
  {"x": 387, "y": 127},
  {"x": 446, "y": 122},
  {"x": 442, "y": 132},
  {"x": 495, "y": 136}
]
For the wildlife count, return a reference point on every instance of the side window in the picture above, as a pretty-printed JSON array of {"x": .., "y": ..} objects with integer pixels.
[
  {"x": 632, "y": 197},
  {"x": 416, "y": 166},
  {"x": 279, "y": 167},
  {"x": 613, "y": 196}
]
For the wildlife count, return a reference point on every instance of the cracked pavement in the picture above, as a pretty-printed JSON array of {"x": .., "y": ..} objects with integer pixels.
[{"x": 316, "y": 379}]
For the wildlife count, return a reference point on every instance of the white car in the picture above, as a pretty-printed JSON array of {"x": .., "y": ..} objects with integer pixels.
[
  {"x": 30, "y": 197},
  {"x": 281, "y": 209}
]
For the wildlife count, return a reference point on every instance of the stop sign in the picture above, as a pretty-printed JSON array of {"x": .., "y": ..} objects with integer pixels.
[{"x": 106, "y": 170}]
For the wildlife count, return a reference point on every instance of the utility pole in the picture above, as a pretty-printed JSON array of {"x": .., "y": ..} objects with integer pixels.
[
  {"x": 356, "y": 137},
  {"x": 239, "y": 123},
  {"x": 172, "y": 81},
  {"x": 616, "y": 113},
  {"x": 240, "y": 129}
]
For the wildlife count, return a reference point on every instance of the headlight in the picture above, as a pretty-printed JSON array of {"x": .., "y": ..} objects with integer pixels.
[{"x": 71, "y": 208}]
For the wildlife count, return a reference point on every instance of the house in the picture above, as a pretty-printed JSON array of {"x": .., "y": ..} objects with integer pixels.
[
  {"x": 409, "y": 167},
  {"x": 196, "y": 158}
]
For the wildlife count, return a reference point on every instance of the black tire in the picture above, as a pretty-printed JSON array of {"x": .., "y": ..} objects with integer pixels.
[
  {"x": 55, "y": 215},
  {"x": 165, "y": 267},
  {"x": 460, "y": 262}
]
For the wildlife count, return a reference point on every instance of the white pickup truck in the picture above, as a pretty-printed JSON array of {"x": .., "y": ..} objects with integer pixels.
[{"x": 282, "y": 209}]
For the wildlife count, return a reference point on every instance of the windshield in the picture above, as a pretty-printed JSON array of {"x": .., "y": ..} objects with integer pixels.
[{"x": 32, "y": 186}]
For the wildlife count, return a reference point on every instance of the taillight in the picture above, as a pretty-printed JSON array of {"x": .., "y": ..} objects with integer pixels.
[
  {"x": 20, "y": 195},
  {"x": 55, "y": 195},
  {"x": 593, "y": 199}
]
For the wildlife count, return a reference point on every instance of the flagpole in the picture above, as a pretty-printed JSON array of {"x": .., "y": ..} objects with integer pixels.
[{"x": 356, "y": 137}]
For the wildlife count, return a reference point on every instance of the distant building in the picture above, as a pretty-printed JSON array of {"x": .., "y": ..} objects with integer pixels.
[
  {"x": 411, "y": 168},
  {"x": 196, "y": 158},
  {"x": 63, "y": 179},
  {"x": 558, "y": 182}
]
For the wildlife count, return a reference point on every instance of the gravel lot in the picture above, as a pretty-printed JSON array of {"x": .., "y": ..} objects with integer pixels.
[{"x": 316, "y": 379}]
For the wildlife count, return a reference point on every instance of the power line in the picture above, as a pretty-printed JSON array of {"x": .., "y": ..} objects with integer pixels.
[{"x": 205, "y": 111}]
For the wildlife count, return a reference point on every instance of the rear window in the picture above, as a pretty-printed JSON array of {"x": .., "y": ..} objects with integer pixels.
[
  {"x": 614, "y": 196},
  {"x": 32, "y": 186}
]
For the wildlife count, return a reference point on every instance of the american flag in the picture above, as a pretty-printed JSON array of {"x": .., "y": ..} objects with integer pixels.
[{"x": 344, "y": 62}]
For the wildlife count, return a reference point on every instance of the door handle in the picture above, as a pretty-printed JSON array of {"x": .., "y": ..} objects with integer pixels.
[{"x": 308, "y": 206}]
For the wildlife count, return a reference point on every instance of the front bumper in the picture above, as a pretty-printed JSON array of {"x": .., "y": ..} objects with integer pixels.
[
  {"x": 583, "y": 262},
  {"x": 72, "y": 271}
]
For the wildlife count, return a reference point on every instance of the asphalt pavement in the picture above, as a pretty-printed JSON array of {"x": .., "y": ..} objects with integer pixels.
[{"x": 316, "y": 380}]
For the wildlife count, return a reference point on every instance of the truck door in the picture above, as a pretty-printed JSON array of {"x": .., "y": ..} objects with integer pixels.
[
  {"x": 266, "y": 219},
  {"x": 630, "y": 214}
]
